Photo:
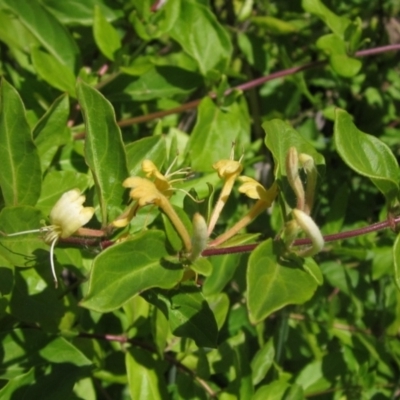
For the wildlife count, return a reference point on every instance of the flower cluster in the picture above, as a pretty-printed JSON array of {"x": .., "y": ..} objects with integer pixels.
[
  {"x": 305, "y": 199},
  {"x": 69, "y": 215}
]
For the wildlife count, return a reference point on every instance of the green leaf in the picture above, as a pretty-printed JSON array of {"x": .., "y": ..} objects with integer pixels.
[
  {"x": 150, "y": 148},
  {"x": 202, "y": 266},
  {"x": 105, "y": 35},
  {"x": 219, "y": 304},
  {"x": 20, "y": 175},
  {"x": 157, "y": 82},
  {"x": 396, "y": 261},
  {"x": 135, "y": 265},
  {"x": 274, "y": 391},
  {"x": 145, "y": 377},
  {"x": 214, "y": 132},
  {"x": 275, "y": 26},
  {"x": 51, "y": 131},
  {"x": 224, "y": 268},
  {"x": 44, "y": 383},
  {"x": 340, "y": 62},
  {"x": 337, "y": 24},
  {"x": 27, "y": 348},
  {"x": 12, "y": 32},
  {"x": 104, "y": 151},
  {"x": 35, "y": 300},
  {"x": 53, "y": 71},
  {"x": 195, "y": 30},
  {"x": 188, "y": 313},
  {"x": 273, "y": 282},
  {"x": 77, "y": 12},
  {"x": 53, "y": 36},
  {"x": 262, "y": 361},
  {"x": 280, "y": 136},
  {"x": 366, "y": 154}
]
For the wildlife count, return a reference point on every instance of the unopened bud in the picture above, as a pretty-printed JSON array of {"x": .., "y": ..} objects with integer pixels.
[
  {"x": 199, "y": 237},
  {"x": 311, "y": 229},
  {"x": 292, "y": 172}
]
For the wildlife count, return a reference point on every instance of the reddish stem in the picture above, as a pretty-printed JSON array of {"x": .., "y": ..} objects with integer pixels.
[
  {"x": 378, "y": 226},
  {"x": 249, "y": 85}
]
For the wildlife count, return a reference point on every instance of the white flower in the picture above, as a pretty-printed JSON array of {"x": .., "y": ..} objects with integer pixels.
[{"x": 66, "y": 217}]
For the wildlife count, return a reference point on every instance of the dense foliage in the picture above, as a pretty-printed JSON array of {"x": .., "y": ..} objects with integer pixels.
[{"x": 198, "y": 199}]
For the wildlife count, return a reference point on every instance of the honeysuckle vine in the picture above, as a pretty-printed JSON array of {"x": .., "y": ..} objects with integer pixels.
[
  {"x": 68, "y": 215},
  {"x": 244, "y": 86}
]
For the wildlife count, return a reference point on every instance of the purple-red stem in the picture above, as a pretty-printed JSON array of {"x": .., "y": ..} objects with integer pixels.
[
  {"x": 249, "y": 85},
  {"x": 245, "y": 248}
]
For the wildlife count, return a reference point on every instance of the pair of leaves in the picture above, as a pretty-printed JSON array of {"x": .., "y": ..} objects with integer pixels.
[{"x": 341, "y": 43}]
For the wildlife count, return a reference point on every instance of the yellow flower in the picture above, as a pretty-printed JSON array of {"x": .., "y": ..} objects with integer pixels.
[
  {"x": 146, "y": 192},
  {"x": 143, "y": 190},
  {"x": 254, "y": 190},
  {"x": 162, "y": 183},
  {"x": 228, "y": 170}
]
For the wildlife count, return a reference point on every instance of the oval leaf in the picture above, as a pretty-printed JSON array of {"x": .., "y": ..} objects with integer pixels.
[
  {"x": 202, "y": 37},
  {"x": 51, "y": 131},
  {"x": 396, "y": 261},
  {"x": 20, "y": 174},
  {"x": 188, "y": 313},
  {"x": 157, "y": 82},
  {"x": 214, "y": 132},
  {"x": 272, "y": 282},
  {"x": 105, "y": 35},
  {"x": 53, "y": 71},
  {"x": 366, "y": 154},
  {"x": 152, "y": 148},
  {"x": 126, "y": 269},
  {"x": 26, "y": 348},
  {"x": 145, "y": 376},
  {"x": 279, "y": 137},
  {"x": 51, "y": 34},
  {"x": 104, "y": 150}
]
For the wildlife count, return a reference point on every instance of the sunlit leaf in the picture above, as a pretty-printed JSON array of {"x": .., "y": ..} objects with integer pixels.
[
  {"x": 273, "y": 282},
  {"x": 145, "y": 376},
  {"x": 104, "y": 151},
  {"x": 366, "y": 154},
  {"x": 20, "y": 174},
  {"x": 105, "y": 35},
  {"x": 195, "y": 30},
  {"x": 50, "y": 33},
  {"x": 135, "y": 265}
]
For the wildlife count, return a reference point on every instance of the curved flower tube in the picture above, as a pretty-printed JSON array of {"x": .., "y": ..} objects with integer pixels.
[
  {"x": 228, "y": 170},
  {"x": 146, "y": 192},
  {"x": 254, "y": 190}
]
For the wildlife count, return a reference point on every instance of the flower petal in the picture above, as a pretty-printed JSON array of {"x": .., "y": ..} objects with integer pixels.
[{"x": 227, "y": 168}]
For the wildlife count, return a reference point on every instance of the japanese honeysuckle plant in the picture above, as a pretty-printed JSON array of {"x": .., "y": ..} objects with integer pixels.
[{"x": 199, "y": 199}]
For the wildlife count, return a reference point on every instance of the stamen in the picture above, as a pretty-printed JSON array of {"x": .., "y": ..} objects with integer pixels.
[
  {"x": 53, "y": 270},
  {"x": 172, "y": 164},
  {"x": 25, "y": 232}
]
